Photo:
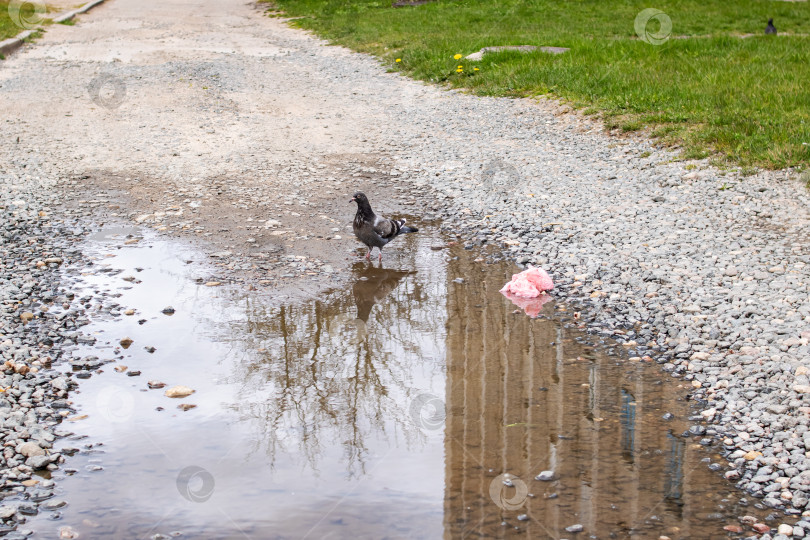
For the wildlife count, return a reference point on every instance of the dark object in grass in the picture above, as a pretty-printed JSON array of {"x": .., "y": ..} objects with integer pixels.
[
  {"x": 406, "y": 3},
  {"x": 770, "y": 29}
]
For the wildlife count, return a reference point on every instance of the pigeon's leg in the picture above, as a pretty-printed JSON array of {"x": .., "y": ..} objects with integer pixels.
[
  {"x": 368, "y": 255},
  {"x": 380, "y": 259}
]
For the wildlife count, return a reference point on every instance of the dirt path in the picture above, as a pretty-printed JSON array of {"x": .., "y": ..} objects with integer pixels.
[{"x": 208, "y": 120}]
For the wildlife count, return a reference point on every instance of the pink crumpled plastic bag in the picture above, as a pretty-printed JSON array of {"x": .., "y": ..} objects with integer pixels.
[
  {"x": 530, "y": 283},
  {"x": 527, "y": 290}
]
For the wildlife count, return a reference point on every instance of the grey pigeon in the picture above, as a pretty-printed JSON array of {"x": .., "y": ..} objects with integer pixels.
[
  {"x": 373, "y": 230},
  {"x": 770, "y": 29}
]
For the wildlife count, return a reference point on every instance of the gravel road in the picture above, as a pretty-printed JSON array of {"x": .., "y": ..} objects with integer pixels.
[{"x": 221, "y": 125}]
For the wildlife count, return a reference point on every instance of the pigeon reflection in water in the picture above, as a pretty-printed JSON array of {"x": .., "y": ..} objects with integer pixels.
[{"x": 373, "y": 285}]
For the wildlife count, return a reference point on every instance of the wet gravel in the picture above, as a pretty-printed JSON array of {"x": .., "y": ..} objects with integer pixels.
[
  {"x": 38, "y": 319},
  {"x": 41, "y": 339}
]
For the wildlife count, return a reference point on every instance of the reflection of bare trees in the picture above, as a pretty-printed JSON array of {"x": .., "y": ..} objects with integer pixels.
[{"x": 340, "y": 371}]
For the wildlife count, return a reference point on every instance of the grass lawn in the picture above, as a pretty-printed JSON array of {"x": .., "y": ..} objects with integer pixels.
[
  {"x": 7, "y": 27},
  {"x": 26, "y": 13},
  {"x": 742, "y": 100}
]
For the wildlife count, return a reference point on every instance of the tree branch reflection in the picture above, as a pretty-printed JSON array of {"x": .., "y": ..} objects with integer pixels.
[{"x": 339, "y": 371}]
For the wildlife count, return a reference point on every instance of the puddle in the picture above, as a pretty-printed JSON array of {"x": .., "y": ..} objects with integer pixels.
[{"x": 407, "y": 406}]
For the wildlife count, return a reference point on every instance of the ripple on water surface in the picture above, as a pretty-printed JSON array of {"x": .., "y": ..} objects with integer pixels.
[{"x": 408, "y": 405}]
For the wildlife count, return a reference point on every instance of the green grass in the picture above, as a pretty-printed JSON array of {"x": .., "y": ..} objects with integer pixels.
[
  {"x": 8, "y": 28},
  {"x": 38, "y": 33},
  {"x": 740, "y": 101}
]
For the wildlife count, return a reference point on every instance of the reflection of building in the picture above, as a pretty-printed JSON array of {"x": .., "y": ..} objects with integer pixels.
[{"x": 518, "y": 404}]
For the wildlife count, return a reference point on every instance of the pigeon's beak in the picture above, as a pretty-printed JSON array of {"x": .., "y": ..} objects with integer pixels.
[{"x": 352, "y": 199}]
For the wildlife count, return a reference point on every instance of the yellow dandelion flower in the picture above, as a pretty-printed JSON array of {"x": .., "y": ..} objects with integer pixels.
[
  {"x": 475, "y": 69},
  {"x": 459, "y": 70},
  {"x": 399, "y": 59},
  {"x": 460, "y": 67},
  {"x": 457, "y": 56}
]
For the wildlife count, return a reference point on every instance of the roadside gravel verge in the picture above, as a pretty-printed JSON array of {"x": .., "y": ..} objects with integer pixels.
[{"x": 39, "y": 323}]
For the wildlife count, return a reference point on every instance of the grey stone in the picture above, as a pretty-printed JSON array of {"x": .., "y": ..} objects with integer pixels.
[{"x": 38, "y": 462}]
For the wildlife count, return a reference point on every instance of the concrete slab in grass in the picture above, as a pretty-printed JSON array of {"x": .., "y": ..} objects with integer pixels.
[{"x": 521, "y": 48}]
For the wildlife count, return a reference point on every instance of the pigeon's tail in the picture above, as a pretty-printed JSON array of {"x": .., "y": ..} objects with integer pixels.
[{"x": 401, "y": 228}]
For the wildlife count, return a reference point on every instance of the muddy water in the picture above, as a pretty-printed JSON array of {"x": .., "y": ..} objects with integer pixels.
[{"x": 416, "y": 403}]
